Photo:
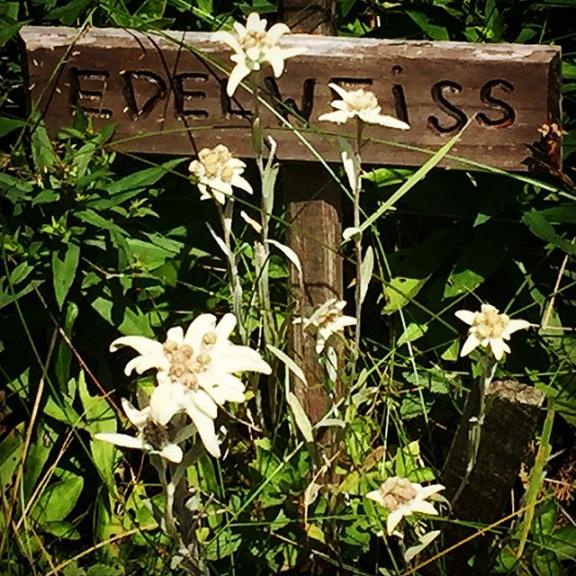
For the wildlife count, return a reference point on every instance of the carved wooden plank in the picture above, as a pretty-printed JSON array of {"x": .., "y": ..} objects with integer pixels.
[
  {"x": 311, "y": 201},
  {"x": 166, "y": 93}
]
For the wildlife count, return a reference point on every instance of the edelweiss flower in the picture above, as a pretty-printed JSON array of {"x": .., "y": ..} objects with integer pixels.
[
  {"x": 326, "y": 320},
  {"x": 253, "y": 46},
  {"x": 152, "y": 435},
  {"x": 195, "y": 371},
  {"x": 216, "y": 171},
  {"x": 361, "y": 104},
  {"x": 402, "y": 498},
  {"x": 489, "y": 328}
]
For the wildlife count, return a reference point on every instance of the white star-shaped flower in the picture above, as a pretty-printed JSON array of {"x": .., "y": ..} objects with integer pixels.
[
  {"x": 361, "y": 104},
  {"x": 253, "y": 47},
  {"x": 403, "y": 498},
  {"x": 152, "y": 435},
  {"x": 489, "y": 328},
  {"x": 195, "y": 371},
  {"x": 325, "y": 321},
  {"x": 216, "y": 172}
]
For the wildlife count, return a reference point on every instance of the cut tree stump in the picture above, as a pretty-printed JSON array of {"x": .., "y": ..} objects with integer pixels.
[
  {"x": 314, "y": 212},
  {"x": 512, "y": 411}
]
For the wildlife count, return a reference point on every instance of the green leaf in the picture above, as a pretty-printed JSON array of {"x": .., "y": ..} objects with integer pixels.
[
  {"x": 413, "y": 267},
  {"x": 433, "y": 31},
  {"x": 46, "y": 197},
  {"x": 63, "y": 271},
  {"x": 8, "y": 125},
  {"x": 10, "y": 449},
  {"x": 68, "y": 14},
  {"x": 539, "y": 226},
  {"x": 43, "y": 152},
  {"x": 412, "y": 333},
  {"x": 132, "y": 320},
  {"x": 419, "y": 175},
  {"x": 61, "y": 529},
  {"x": 58, "y": 499},
  {"x": 143, "y": 178},
  {"x": 480, "y": 259},
  {"x": 99, "y": 417}
]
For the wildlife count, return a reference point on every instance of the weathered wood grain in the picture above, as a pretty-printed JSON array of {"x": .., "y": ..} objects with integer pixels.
[
  {"x": 167, "y": 93},
  {"x": 313, "y": 202},
  {"x": 512, "y": 412}
]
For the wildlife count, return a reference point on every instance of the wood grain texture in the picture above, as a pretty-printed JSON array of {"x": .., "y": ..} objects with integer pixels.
[
  {"x": 512, "y": 412},
  {"x": 166, "y": 94},
  {"x": 313, "y": 202}
]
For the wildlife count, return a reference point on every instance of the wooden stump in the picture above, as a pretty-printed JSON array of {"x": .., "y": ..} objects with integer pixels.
[
  {"x": 315, "y": 215},
  {"x": 512, "y": 411}
]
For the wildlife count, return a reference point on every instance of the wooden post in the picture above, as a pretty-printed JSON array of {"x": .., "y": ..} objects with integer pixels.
[
  {"x": 315, "y": 216},
  {"x": 512, "y": 411}
]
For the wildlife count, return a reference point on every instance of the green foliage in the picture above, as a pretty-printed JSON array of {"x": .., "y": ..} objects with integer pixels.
[{"x": 96, "y": 244}]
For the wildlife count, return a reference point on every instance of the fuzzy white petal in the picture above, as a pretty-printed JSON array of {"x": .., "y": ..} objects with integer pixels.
[
  {"x": 277, "y": 31},
  {"x": 339, "y": 90},
  {"x": 172, "y": 452},
  {"x": 137, "y": 417},
  {"x": 466, "y": 316},
  {"x": 471, "y": 343},
  {"x": 139, "y": 343},
  {"x": 338, "y": 117},
  {"x": 120, "y": 440},
  {"x": 393, "y": 520},
  {"x": 515, "y": 325},
  {"x": 238, "y": 74}
]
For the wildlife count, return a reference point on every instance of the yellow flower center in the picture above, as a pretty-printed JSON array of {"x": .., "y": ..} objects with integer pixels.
[
  {"x": 397, "y": 493},
  {"x": 254, "y": 39},
  {"x": 216, "y": 163},
  {"x": 184, "y": 364},
  {"x": 361, "y": 100},
  {"x": 489, "y": 324}
]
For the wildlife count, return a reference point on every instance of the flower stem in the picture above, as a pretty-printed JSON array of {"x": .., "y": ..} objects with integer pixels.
[
  {"x": 488, "y": 366},
  {"x": 357, "y": 241},
  {"x": 261, "y": 249},
  {"x": 226, "y": 214}
]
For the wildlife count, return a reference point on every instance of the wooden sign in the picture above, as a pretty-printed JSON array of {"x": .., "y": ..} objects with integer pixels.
[{"x": 166, "y": 94}]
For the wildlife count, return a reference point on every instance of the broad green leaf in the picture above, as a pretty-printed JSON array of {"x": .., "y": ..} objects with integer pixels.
[
  {"x": 46, "y": 197},
  {"x": 480, "y": 259},
  {"x": 43, "y": 152},
  {"x": 133, "y": 321},
  {"x": 64, "y": 353},
  {"x": 540, "y": 227},
  {"x": 61, "y": 529},
  {"x": 413, "y": 267},
  {"x": 225, "y": 544},
  {"x": 10, "y": 449},
  {"x": 433, "y": 31},
  {"x": 99, "y": 417},
  {"x": 8, "y": 125},
  {"x": 58, "y": 499},
  {"x": 37, "y": 456},
  {"x": 64, "y": 270},
  {"x": 412, "y": 333}
]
